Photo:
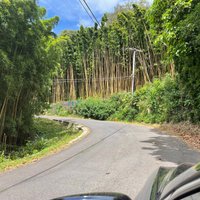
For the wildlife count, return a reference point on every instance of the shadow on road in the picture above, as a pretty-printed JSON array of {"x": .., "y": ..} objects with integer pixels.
[{"x": 171, "y": 149}]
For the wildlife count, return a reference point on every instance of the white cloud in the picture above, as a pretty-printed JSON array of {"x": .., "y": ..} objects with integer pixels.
[
  {"x": 85, "y": 22},
  {"x": 103, "y": 6}
]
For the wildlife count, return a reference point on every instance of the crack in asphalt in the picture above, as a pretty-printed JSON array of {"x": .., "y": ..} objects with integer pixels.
[{"x": 63, "y": 161}]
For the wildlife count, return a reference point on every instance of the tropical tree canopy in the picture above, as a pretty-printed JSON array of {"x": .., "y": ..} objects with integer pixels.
[{"x": 25, "y": 66}]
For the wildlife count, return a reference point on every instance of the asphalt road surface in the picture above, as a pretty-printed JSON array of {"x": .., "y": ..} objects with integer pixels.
[{"x": 114, "y": 157}]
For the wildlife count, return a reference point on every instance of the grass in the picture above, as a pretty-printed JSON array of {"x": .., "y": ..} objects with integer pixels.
[{"x": 50, "y": 137}]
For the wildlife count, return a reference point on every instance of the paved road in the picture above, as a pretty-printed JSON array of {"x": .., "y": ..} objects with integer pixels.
[{"x": 115, "y": 157}]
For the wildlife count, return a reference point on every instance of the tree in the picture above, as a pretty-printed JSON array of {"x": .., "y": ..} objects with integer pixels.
[
  {"x": 25, "y": 66},
  {"x": 175, "y": 28},
  {"x": 97, "y": 61}
]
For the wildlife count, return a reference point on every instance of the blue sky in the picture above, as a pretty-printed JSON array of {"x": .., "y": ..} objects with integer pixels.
[{"x": 72, "y": 14}]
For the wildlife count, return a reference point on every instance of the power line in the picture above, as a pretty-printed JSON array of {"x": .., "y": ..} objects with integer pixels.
[
  {"x": 91, "y": 12},
  {"x": 87, "y": 11},
  {"x": 92, "y": 80}
]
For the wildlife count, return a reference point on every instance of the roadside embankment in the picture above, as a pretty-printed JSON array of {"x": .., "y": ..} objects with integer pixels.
[{"x": 51, "y": 136}]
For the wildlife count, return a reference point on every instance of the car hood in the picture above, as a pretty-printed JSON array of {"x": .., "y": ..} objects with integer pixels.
[{"x": 161, "y": 181}]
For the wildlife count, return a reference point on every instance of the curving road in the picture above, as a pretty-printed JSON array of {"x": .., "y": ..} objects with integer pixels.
[{"x": 114, "y": 157}]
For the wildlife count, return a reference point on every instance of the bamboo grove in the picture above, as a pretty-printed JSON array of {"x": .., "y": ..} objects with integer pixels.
[
  {"x": 26, "y": 67},
  {"x": 97, "y": 60}
]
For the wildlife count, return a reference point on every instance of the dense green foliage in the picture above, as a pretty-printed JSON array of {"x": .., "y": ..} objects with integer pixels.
[
  {"x": 49, "y": 136},
  {"x": 26, "y": 66},
  {"x": 95, "y": 108},
  {"x": 124, "y": 105},
  {"x": 157, "y": 102},
  {"x": 175, "y": 27},
  {"x": 97, "y": 61}
]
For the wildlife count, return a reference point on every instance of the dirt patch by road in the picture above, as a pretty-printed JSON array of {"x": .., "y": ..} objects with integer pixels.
[{"x": 190, "y": 133}]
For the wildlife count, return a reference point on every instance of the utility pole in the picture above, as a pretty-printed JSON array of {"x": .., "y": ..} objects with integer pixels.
[{"x": 133, "y": 71}]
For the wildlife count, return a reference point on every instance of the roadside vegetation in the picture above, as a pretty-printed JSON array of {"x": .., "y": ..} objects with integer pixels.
[
  {"x": 27, "y": 67},
  {"x": 49, "y": 136},
  {"x": 157, "y": 102}
]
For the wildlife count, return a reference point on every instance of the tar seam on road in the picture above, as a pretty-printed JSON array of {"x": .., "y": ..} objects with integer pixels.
[{"x": 84, "y": 150}]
